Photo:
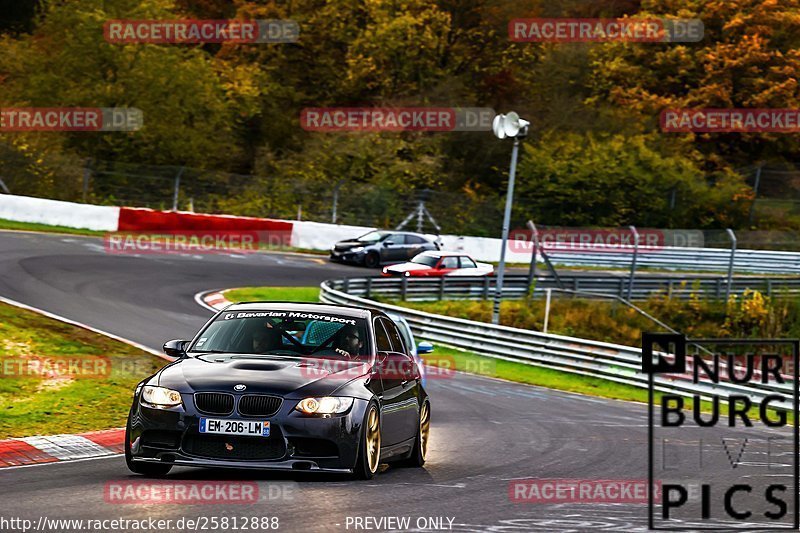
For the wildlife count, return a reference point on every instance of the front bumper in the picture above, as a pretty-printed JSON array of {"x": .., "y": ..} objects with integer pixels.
[
  {"x": 296, "y": 441},
  {"x": 347, "y": 256}
]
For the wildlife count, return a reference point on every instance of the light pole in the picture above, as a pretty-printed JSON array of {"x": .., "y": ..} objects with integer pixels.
[{"x": 507, "y": 126}]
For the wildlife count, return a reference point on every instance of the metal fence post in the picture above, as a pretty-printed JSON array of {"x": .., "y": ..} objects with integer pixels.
[
  {"x": 87, "y": 172},
  {"x": 369, "y": 287},
  {"x": 535, "y": 240},
  {"x": 633, "y": 261},
  {"x": 547, "y": 309},
  {"x": 755, "y": 194},
  {"x": 486, "y": 287},
  {"x": 177, "y": 189},
  {"x": 335, "y": 201},
  {"x": 403, "y": 287},
  {"x": 732, "y": 235},
  {"x": 441, "y": 288}
]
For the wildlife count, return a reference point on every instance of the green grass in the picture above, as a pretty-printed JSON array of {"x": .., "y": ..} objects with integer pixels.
[
  {"x": 30, "y": 226},
  {"x": 280, "y": 294},
  {"x": 32, "y": 403},
  {"x": 472, "y": 363},
  {"x": 532, "y": 375}
]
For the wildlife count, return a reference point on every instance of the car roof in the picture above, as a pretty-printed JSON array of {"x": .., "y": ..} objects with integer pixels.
[
  {"x": 304, "y": 307},
  {"x": 443, "y": 253},
  {"x": 427, "y": 236}
]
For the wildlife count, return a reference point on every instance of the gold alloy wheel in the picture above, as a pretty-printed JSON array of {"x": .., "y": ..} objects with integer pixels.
[
  {"x": 373, "y": 440},
  {"x": 424, "y": 428}
]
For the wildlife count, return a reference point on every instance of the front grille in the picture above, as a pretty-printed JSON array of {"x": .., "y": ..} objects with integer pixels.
[
  {"x": 259, "y": 405},
  {"x": 233, "y": 447},
  {"x": 215, "y": 403}
]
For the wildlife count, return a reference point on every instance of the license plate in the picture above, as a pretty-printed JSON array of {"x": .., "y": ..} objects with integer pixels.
[{"x": 255, "y": 428}]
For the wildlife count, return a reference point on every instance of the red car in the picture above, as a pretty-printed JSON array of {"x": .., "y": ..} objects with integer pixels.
[{"x": 437, "y": 264}]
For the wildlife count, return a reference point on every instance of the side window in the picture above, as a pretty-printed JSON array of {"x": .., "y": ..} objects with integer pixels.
[
  {"x": 449, "y": 262},
  {"x": 394, "y": 336},
  {"x": 397, "y": 239},
  {"x": 466, "y": 262},
  {"x": 381, "y": 338},
  {"x": 413, "y": 239}
]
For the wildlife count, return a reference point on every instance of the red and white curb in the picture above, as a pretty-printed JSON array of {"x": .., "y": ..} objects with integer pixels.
[
  {"x": 54, "y": 448},
  {"x": 212, "y": 300}
]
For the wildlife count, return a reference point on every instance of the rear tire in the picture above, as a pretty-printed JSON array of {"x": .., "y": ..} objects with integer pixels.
[
  {"x": 420, "y": 451},
  {"x": 145, "y": 469},
  {"x": 372, "y": 260},
  {"x": 369, "y": 447}
]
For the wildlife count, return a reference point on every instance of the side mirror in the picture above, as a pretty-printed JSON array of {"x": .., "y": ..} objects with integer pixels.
[
  {"x": 176, "y": 348},
  {"x": 424, "y": 347},
  {"x": 388, "y": 243},
  {"x": 382, "y": 357}
]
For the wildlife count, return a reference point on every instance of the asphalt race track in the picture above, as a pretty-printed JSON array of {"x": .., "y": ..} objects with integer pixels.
[{"x": 485, "y": 432}]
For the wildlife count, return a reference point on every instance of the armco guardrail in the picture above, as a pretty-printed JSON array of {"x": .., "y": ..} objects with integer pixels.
[
  {"x": 691, "y": 259},
  {"x": 482, "y": 288},
  {"x": 612, "y": 362}
]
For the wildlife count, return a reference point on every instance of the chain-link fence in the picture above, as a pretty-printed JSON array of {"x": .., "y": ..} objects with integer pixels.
[{"x": 344, "y": 201}]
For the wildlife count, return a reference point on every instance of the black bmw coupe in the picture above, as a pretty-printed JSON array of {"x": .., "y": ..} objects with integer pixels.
[{"x": 292, "y": 386}]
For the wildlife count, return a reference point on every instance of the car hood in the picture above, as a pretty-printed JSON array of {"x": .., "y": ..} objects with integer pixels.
[
  {"x": 346, "y": 245},
  {"x": 283, "y": 376},
  {"x": 407, "y": 267}
]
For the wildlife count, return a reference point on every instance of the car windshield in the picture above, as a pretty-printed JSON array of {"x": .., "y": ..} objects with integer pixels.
[
  {"x": 283, "y": 332},
  {"x": 373, "y": 236},
  {"x": 427, "y": 260}
]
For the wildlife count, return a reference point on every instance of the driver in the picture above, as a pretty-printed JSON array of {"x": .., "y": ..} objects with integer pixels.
[
  {"x": 349, "y": 342},
  {"x": 266, "y": 339}
]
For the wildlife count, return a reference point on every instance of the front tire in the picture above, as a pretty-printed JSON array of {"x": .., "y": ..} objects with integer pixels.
[
  {"x": 420, "y": 451},
  {"x": 372, "y": 260},
  {"x": 145, "y": 469},
  {"x": 369, "y": 449}
]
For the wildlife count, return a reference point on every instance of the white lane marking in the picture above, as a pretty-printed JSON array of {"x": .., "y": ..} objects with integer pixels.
[
  {"x": 113, "y": 456},
  {"x": 66, "y": 447},
  {"x": 60, "y": 318}
]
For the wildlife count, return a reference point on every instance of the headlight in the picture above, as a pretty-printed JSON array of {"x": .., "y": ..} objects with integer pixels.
[
  {"x": 327, "y": 405},
  {"x": 161, "y": 396},
  {"x": 357, "y": 249}
]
